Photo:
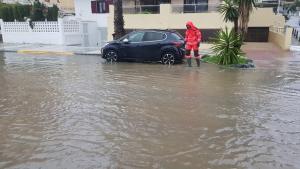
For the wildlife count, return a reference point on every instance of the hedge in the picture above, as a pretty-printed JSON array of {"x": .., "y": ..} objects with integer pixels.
[{"x": 37, "y": 12}]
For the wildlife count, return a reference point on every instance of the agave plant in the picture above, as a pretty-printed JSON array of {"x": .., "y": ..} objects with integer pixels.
[{"x": 227, "y": 47}]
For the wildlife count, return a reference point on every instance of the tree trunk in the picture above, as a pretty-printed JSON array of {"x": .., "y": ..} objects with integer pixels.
[
  {"x": 236, "y": 25},
  {"x": 118, "y": 20},
  {"x": 245, "y": 8}
]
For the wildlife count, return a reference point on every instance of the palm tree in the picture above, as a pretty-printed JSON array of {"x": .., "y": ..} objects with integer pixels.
[
  {"x": 293, "y": 7},
  {"x": 229, "y": 10},
  {"x": 245, "y": 8},
  {"x": 118, "y": 20}
]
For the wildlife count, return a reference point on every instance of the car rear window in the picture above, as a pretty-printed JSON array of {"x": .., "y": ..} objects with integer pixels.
[
  {"x": 154, "y": 36},
  {"x": 136, "y": 37},
  {"x": 176, "y": 36}
]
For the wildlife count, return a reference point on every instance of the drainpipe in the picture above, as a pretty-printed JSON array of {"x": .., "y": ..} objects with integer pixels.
[{"x": 278, "y": 6}]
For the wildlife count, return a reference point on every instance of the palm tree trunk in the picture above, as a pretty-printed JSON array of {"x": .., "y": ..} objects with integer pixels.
[
  {"x": 236, "y": 25},
  {"x": 118, "y": 20},
  {"x": 245, "y": 8}
]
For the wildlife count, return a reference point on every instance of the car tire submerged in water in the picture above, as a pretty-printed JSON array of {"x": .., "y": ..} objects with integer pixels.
[
  {"x": 168, "y": 58},
  {"x": 111, "y": 56}
]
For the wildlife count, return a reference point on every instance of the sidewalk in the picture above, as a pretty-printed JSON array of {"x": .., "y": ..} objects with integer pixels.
[
  {"x": 65, "y": 50},
  {"x": 49, "y": 49}
]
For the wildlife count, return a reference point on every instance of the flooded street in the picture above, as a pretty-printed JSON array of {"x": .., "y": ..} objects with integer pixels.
[{"x": 74, "y": 112}]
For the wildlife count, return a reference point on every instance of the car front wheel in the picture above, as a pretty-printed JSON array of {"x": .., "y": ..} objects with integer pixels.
[
  {"x": 111, "y": 56},
  {"x": 168, "y": 58}
]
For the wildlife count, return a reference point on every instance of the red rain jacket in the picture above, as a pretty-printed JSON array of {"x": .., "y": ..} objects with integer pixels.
[{"x": 192, "y": 36}]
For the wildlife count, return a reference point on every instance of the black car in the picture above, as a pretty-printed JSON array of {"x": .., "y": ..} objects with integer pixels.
[{"x": 165, "y": 46}]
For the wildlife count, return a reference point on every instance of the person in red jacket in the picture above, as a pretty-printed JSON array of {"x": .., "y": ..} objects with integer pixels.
[{"x": 192, "y": 39}]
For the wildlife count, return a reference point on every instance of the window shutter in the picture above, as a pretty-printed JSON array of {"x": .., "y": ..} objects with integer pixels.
[
  {"x": 94, "y": 6},
  {"x": 107, "y": 2}
]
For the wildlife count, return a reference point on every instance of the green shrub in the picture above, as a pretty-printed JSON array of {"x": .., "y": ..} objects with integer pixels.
[
  {"x": 6, "y": 13},
  {"x": 17, "y": 12},
  {"x": 22, "y": 11},
  {"x": 27, "y": 10},
  {"x": 52, "y": 13},
  {"x": 227, "y": 47},
  {"x": 11, "y": 12},
  {"x": 37, "y": 11}
]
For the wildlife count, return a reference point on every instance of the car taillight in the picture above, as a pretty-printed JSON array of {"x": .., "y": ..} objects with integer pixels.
[{"x": 177, "y": 44}]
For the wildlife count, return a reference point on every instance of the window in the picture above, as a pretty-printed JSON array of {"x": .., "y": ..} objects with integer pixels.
[
  {"x": 136, "y": 37},
  {"x": 165, "y": 1},
  {"x": 100, "y": 6},
  {"x": 176, "y": 36},
  {"x": 154, "y": 36},
  {"x": 195, "y": 6}
]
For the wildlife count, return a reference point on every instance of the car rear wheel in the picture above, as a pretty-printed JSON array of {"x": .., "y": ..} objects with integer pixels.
[
  {"x": 111, "y": 56},
  {"x": 168, "y": 58}
]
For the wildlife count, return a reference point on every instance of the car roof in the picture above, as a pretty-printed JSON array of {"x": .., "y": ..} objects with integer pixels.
[{"x": 155, "y": 30}]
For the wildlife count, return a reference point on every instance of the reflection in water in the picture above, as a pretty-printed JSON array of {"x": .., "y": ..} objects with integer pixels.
[{"x": 75, "y": 112}]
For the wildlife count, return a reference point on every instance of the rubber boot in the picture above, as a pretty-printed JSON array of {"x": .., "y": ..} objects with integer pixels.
[
  {"x": 198, "y": 62},
  {"x": 189, "y": 61}
]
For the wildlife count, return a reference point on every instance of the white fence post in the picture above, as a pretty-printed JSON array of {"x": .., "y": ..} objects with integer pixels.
[
  {"x": 1, "y": 26},
  {"x": 61, "y": 30},
  {"x": 29, "y": 28},
  {"x": 2, "y": 30}
]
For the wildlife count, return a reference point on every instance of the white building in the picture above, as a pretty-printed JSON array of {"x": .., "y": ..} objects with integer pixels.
[
  {"x": 93, "y": 12},
  {"x": 17, "y": 1},
  {"x": 87, "y": 28}
]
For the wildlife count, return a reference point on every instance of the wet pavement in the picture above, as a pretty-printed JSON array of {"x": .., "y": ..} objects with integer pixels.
[
  {"x": 64, "y": 50},
  {"x": 74, "y": 112},
  {"x": 50, "y": 49}
]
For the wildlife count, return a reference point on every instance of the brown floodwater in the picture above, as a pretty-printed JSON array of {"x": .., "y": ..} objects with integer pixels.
[{"x": 75, "y": 112}]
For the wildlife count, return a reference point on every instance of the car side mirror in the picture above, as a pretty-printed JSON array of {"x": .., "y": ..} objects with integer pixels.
[{"x": 126, "y": 40}]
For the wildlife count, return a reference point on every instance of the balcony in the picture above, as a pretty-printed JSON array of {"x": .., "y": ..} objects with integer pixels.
[
  {"x": 175, "y": 16},
  {"x": 175, "y": 8},
  {"x": 141, "y": 9},
  {"x": 194, "y": 8}
]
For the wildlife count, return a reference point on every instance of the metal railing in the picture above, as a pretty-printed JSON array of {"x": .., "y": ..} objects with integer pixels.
[
  {"x": 266, "y": 4},
  {"x": 182, "y": 8},
  {"x": 194, "y": 8},
  {"x": 277, "y": 29},
  {"x": 142, "y": 9}
]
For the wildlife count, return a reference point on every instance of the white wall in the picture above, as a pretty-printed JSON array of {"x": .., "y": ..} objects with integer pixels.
[
  {"x": 17, "y": 1},
  {"x": 83, "y": 11},
  {"x": 59, "y": 33},
  {"x": 24, "y": 37}
]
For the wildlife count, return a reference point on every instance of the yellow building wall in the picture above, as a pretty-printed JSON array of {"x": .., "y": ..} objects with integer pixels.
[
  {"x": 128, "y": 3},
  {"x": 265, "y": 17},
  {"x": 283, "y": 40},
  {"x": 177, "y": 1},
  {"x": 260, "y": 17},
  {"x": 63, "y": 4}
]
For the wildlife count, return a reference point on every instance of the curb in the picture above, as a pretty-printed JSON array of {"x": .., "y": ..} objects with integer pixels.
[
  {"x": 91, "y": 54},
  {"x": 8, "y": 50},
  {"x": 43, "y": 52}
]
